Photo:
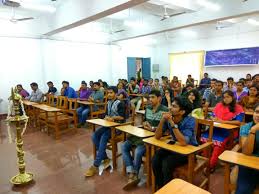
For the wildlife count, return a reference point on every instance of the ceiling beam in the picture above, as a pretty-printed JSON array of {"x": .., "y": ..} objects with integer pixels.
[{"x": 74, "y": 13}]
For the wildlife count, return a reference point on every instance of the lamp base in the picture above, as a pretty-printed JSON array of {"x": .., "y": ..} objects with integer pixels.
[{"x": 22, "y": 179}]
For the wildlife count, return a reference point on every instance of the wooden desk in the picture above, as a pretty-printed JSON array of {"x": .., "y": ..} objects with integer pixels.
[
  {"x": 188, "y": 150},
  {"x": 55, "y": 117},
  {"x": 231, "y": 157},
  {"x": 104, "y": 123},
  {"x": 231, "y": 129},
  {"x": 85, "y": 102},
  {"x": 179, "y": 186},
  {"x": 142, "y": 112},
  {"x": 29, "y": 103},
  {"x": 136, "y": 131}
]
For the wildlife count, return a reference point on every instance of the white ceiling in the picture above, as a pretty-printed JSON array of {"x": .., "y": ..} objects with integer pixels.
[{"x": 140, "y": 20}]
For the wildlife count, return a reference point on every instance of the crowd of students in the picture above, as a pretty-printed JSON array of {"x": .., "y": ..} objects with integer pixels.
[{"x": 170, "y": 109}]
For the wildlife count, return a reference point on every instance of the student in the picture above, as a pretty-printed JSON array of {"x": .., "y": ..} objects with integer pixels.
[
  {"x": 22, "y": 91},
  {"x": 52, "y": 89},
  {"x": 205, "y": 83},
  {"x": 248, "y": 102},
  {"x": 115, "y": 112},
  {"x": 152, "y": 118},
  {"x": 248, "y": 84},
  {"x": 145, "y": 90},
  {"x": 240, "y": 93},
  {"x": 68, "y": 91},
  {"x": 122, "y": 94},
  {"x": 209, "y": 90},
  {"x": 175, "y": 86},
  {"x": 83, "y": 111},
  {"x": 167, "y": 97},
  {"x": 255, "y": 79},
  {"x": 186, "y": 89},
  {"x": 248, "y": 76},
  {"x": 157, "y": 86},
  {"x": 182, "y": 129},
  {"x": 133, "y": 88},
  {"x": 91, "y": 84},
  {"x": 84, "y": 92},
  {"x": 36, "y": 94},
  {"x": 230, "y": 85},
  {"x": 151, "y": 82},
  {"x": 228, "y": 112},
  {"x": 248, "y": 178},
  {"x": 194, "y": 99},
  {"x": 216, "y": 97},
  {"x": 190, "y": 80}
]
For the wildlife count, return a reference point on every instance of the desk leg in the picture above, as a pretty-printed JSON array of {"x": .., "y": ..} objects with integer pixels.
[
  {"x": 123, "y": 163},
  {"x": 57, "y": 132},
  {"x": 114, "y": 149},
  {"x": 227, "y": 179},
  {"x": 148, "y": 164},
  {"x": 46, "y": 122},
  {"x": 153, "y": 181},
  {"x": 94, "y": 148},
  {"x": 190, "y": 167}
]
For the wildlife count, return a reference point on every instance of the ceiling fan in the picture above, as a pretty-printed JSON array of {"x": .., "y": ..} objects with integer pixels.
[
  {"x": 166, "y": 15},
  {"x": 13, "y": 19}
]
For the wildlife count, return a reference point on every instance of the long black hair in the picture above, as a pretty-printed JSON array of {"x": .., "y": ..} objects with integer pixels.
[
  {"x": 232, "y": 105},
  {"x": 197, "y": 102}
]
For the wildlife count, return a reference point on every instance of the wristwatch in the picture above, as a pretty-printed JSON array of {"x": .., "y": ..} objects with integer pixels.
[{"x": 175, "y": 126}]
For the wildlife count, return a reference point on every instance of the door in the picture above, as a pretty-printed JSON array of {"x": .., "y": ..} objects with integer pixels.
[
  {"x": 146, "y": 68},
  {"x": 131, "y": 67}
]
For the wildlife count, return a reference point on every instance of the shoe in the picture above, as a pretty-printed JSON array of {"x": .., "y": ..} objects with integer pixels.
[
  {"x": 133, "y": 180},
  {"x": 91, "y": 171},
  {"x": 106, "y": 163}
]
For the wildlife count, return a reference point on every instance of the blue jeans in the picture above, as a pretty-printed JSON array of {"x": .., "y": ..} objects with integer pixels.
[
  {"x": 132, "y": 164},
  {"x": 82, "y": 113},
  {"x": 100, "y": 139},
  {"x": 247, "y": 180}
]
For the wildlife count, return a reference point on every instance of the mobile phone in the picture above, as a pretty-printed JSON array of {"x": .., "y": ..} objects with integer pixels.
[{"x": 171, "y": 142}]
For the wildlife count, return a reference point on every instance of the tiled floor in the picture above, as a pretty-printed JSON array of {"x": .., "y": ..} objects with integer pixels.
[{"x": 58, "y": 166}]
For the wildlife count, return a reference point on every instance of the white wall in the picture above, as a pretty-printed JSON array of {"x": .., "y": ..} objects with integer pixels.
[
  {"x": 20, "y": 63},
  {"x": 226, "y": 42},
  {"x": 32, "y": 60}
]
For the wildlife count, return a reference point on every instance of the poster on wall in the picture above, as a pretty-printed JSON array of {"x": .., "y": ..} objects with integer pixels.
[
  {"x": 232, "y": 57},
  {"x": 138, "y": 68}
]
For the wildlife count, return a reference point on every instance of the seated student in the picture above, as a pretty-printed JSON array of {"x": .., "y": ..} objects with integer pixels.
[
  {"x": 186, "y": 89},
  {"x": 22, "y": 91},
  {"x": 36, "y": 94},
  {"x": 255, "y": 79},
  {"x": 248, "y": 102},
  {"x": 176, "y": 86},
  {"x": 167, "y": 97},
  {"x": 122, "y": 94},
  {"x": 133, "y": 88},
  {"x": 52, "y": 89},
  {"x": 145, "y": 90},
  {"x": 230, "y": 85},
  {"x": 190, "y": 80},
  {"x": 248, "y": 84},
  {"x": 205, "y": 83},
  {"x": 240, "y": 93},
  {"x": 182, "y": 128},
  {"x": 68, "y": 91},
  {"x": 229, "y": 112},
  {"x": 248, "y": 178},
  {"x": 209, "y": 90},
  {"x": 157, "y": 86},
  {"x": 248, "y": 76},
  {"x": 83, "y": 111},
  {"x": 84, "y": 92},
  {"x": 215, "y": 97},
  {"x": 115, "y": 112},
  {"x": 194, "y": 98},
  {"x": 152, "y": 118},
  {"x": 151, "y": 82}
]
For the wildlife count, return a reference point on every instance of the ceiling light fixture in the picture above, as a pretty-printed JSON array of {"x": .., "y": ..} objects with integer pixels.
[
  {"x": 209, "y": 5},
  {"x": 253, "y": 22}
]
